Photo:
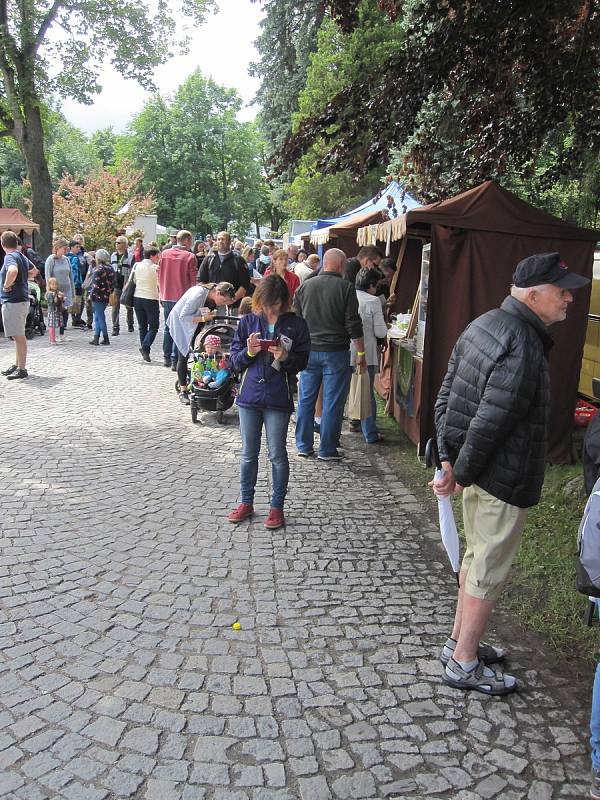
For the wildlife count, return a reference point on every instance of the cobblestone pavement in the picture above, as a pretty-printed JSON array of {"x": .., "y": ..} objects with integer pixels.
[{"x": 120, "y": 673}]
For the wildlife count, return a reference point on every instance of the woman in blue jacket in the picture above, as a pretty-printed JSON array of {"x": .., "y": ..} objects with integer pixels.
[{"x": 265, "y": 394}]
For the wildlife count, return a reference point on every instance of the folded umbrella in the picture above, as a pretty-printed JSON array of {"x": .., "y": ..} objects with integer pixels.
[{"x": 447, "y": 522}]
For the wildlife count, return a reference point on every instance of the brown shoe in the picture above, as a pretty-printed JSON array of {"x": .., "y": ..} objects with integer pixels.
[
  {"x": 242, "y": 512},
  {"x": 275, "y": 519}
]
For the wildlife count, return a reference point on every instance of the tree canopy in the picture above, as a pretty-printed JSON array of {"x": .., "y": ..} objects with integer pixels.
[
  {"x": 100, "y": 206},
  {"x": 204, "y": 165},
  {"x": 55, "y": 47},
  {"x": 458, "y": 92}
]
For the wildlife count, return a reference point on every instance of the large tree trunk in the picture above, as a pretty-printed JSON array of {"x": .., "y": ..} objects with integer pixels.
[{"x": 30, "y": 138}]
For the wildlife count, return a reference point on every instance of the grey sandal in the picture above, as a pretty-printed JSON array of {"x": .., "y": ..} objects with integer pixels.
[
  {"x": 479, "y": 679},
  {"x": 485, "y": 652}
]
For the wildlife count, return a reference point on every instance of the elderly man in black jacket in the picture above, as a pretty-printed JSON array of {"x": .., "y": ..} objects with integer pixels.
[{"x": 491, "y": 418}]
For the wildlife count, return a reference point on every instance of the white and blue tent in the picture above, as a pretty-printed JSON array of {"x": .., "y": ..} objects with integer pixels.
[{"x": 393, "y": 199}]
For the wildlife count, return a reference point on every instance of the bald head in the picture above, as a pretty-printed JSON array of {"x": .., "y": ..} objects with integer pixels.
[{"x": 334, "y": 260}]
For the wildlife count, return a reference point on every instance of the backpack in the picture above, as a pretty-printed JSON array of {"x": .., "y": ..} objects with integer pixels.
[
  {"x": 36, "y": 259},
  {"x": 587, "y": 567}
]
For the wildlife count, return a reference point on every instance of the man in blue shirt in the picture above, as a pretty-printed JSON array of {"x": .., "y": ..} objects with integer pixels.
[
  {"x": 74, "y": 256},
  {"x": 14, "y": 296}
]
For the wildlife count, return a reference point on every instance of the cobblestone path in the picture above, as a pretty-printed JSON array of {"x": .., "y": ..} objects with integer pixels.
[{"x": 120, "y": 673}]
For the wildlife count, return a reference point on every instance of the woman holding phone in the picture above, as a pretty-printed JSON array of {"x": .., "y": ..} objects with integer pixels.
[{"x": 271, "y": 345}]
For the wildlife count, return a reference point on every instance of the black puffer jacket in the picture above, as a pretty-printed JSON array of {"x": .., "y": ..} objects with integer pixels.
[{"x": 491, "y": 414}]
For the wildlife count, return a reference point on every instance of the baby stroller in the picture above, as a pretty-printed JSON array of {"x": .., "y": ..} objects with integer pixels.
[
  {"x": 35, "y": 317},
  {"x": 217, "y": 392}
]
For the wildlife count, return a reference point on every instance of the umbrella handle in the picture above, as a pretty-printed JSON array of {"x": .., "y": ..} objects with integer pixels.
[
  {"x": 432, "y": 455},
  {"x": 590, "y": 613}
]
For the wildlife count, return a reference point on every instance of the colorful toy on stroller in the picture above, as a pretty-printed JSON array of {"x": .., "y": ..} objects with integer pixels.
[{"x": 211, "y": 378}]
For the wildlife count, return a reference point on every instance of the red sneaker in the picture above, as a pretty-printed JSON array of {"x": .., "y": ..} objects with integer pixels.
[
  {"x": 275, "y": 519},
  {"x": 242, "y": 512}
]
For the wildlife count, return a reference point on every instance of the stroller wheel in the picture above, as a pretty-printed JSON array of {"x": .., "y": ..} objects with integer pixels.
[
  {"x": 29, "y": 333},
  {"x": 220, "y": 418},
  {"x": 194, "y": 413}
]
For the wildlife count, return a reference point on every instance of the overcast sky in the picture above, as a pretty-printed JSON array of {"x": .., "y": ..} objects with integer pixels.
[{"x": 222, "y": 48}]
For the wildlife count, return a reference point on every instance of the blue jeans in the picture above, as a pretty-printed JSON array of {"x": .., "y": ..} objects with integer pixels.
[
  {"x": 148, "y": 316},
  {"x": 276, "y": 426},
  {"x": 595, "y": 722},
  {"x": 369, "y": 425},
  {"x": 169, "y": 348},
  {"x": 99, "y": 319},
  {"x": 333, "y": 371}
]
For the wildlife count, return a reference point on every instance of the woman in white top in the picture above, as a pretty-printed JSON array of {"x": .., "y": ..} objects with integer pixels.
[
  {"x": 145, "y": 300},
  {"x": 374, "y": 328},
  {"x": 58, "y": 266}
]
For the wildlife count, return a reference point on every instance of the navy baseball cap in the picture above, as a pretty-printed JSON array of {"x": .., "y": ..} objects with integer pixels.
[{"x": 546, "y": 268}]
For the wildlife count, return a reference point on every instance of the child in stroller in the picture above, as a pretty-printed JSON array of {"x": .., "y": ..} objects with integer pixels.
[
  {"x": 35, "y": 316},
  {"x": 211, "y": 378}
]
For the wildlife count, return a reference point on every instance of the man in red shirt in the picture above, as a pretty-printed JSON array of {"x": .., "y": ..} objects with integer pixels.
[{"x": 176, "y": 274}]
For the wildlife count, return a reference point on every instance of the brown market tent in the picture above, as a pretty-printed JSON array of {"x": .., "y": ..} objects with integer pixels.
[
  {"x": 477, "y": 238},
  {"x": 11, "y": 219},
  {"x": 343, "y": 234}
]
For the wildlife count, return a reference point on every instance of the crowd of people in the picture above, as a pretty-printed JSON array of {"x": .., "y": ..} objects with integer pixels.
[
  {"x": 296, "y": 316},
  {"x": 304, "y": 327}
]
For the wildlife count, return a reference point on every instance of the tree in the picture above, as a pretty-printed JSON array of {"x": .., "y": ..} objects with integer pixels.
[
  {"x": 100, "y": 206},
  {"x": 204, "y": 165},
  {"x": 288, "y": 37},
  {"x": 67, "y": 150},
  {"x": 103, "y": 144},
  {"x": 472, "y": 92},
  {"x": 340, "y": 59},
  {"x": 35, "y": 64}
]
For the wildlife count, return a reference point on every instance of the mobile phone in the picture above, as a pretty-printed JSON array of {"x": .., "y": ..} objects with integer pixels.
[{"x": 266, "y": 343}]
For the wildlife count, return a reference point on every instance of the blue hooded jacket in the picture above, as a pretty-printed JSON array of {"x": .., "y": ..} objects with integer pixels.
[
  {"x": 75, "y": 269},
  {"x": 262, "y": 384}
]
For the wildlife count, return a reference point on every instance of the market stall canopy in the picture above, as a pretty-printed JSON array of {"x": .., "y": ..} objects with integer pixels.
[
  {"x": 393, "y": 201},
  {"x": 477, "y": 239},
  {"x": 11, "y": 219},
  {"x": 487, "y": 207}
]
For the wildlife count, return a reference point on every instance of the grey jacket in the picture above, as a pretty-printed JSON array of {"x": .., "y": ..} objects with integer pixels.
[{"x": 329, "y": 305}]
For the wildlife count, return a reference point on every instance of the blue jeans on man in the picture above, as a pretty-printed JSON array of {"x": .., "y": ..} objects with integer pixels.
[
  {"x": 369, "y": 425},
  {"x": 276, "y": 426},
  {"x": 100, "y": 319},
  {"x": 595, "y": 722},
  {"x": 169, "y": 347},
  {"x": 332, "y": 369}
]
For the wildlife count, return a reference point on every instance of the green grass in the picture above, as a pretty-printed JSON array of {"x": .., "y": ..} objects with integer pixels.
[{"x": 541, "y": 590}]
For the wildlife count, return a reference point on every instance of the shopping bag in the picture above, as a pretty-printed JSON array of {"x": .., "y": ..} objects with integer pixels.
[
  {"x": 359, "y": 397},
  {"x": 128, "y": 293},
  {"x": 76, "y": 305},
  {"x": 113, "y": 299}
]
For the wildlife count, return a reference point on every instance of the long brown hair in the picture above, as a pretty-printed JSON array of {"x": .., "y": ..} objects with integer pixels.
[{"x": 270, "y": 291}]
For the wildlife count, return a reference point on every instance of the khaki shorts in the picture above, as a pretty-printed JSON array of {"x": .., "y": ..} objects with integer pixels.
[
  {"x": 14, "y": 316},
  {"x": 493, "y": 532}
]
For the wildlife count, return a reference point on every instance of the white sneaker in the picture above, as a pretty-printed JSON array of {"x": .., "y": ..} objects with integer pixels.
[{"x": 62, "y": 339}]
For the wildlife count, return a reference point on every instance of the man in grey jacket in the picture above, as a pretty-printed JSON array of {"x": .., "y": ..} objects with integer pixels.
[
  {"x": 329, "y": 305},
  {"x": 491, "y": 420}
]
